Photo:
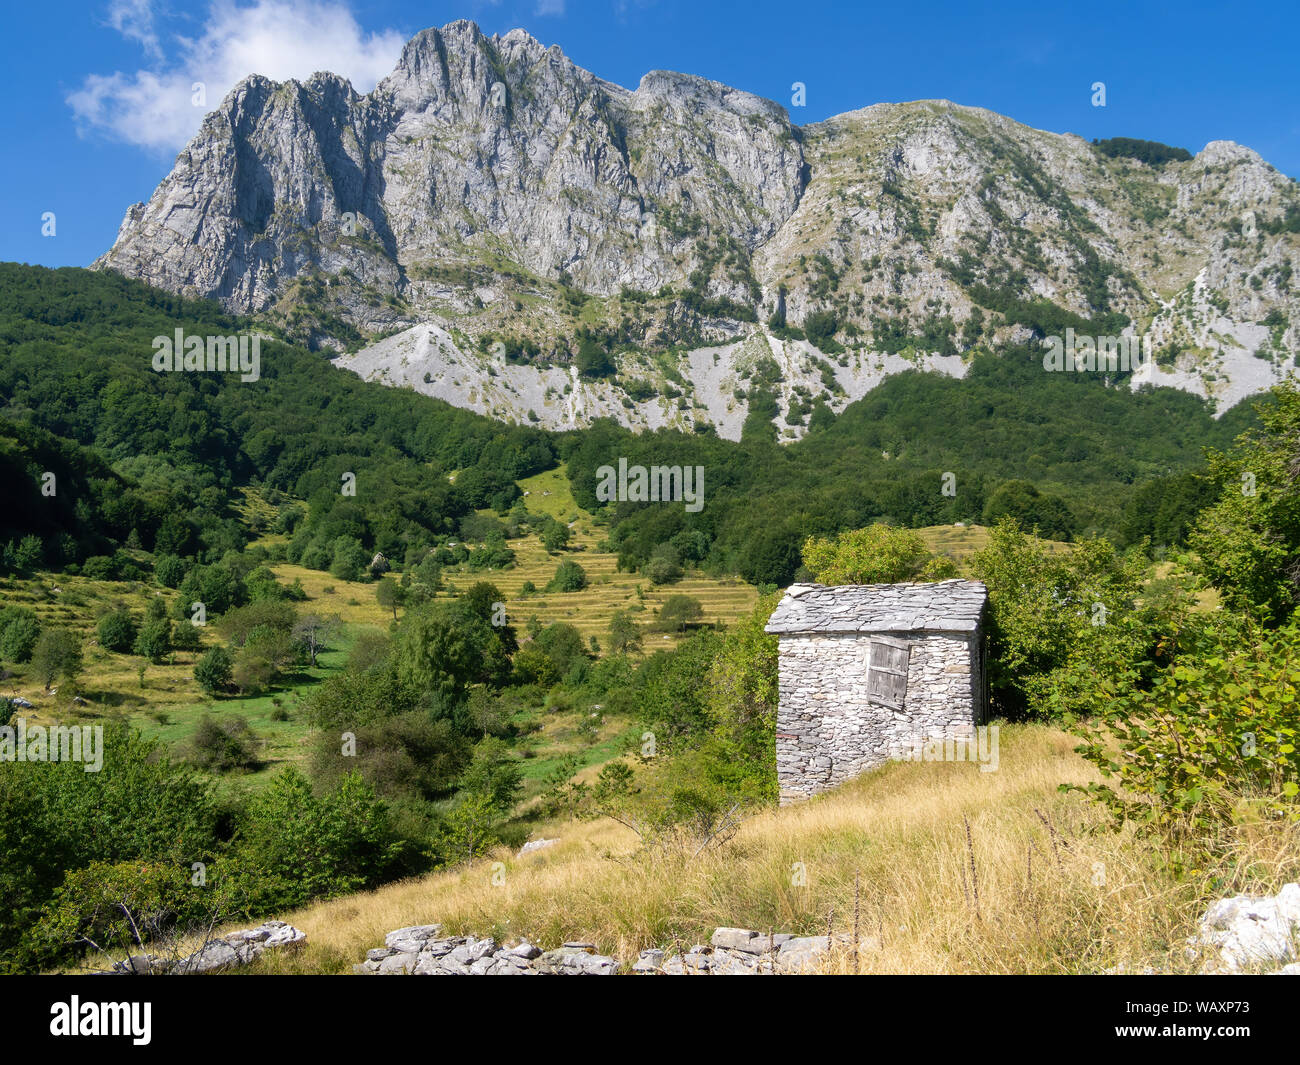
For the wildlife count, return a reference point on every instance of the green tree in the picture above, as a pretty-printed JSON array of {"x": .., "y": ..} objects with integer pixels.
[
  {"x": 1210, "y": 745},
  {"x": 155, "y": 639},
  {"x": 1051, "y": 611},
  {"x": 624, "y": 633},
  {"x": 493, "y": 772},
  {"x": 877, "y": 554},
  {"x": 116, "y": 631},
  {"x": 215, "y": 671},
  {"x": 144, "y": 808},
  {"x": 348, "y": 559},
  {"x": 1031, "y": 508},
  {"x": 389, "y": 594},
  {"x": 555, "y": 536},
  {"x": 469, "y": 830},
  {"x": 678, "y": 612},
  {"x": 185, "y": 637},
  {"x": 222, "y": 744},
  {"x": 30, "y": 553},
  {"x": 742, "y": 699},
  {"x": 664, "y": 565},
  {"x": 19, "y": 631},
  {"x": 593, "y": 361},
  {"x": 569, "y": 577},
  {"x": 57, "y": 655},
  {"x": 169, "y": 570},
  {"x": 303, "y": 847},
  {"x": 1248, "y": 543},
  {"x": 440, "y": 650}
]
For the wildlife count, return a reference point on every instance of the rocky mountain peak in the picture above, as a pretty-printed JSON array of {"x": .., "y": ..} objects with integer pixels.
[{"x": 495, "y": 192}]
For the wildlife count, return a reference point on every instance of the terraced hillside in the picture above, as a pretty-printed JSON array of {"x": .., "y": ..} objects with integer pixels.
[{"x": 607, "y": 591}]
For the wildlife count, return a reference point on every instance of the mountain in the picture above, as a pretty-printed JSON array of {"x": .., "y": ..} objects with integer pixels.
[{"x": 496, "y": 226}]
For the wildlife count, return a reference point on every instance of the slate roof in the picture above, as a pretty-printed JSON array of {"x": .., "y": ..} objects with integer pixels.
[{"x": 947, "y": 606}]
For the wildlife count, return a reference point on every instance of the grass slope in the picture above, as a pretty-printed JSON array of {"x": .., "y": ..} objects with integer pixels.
[{"x": 1037, "y": 889}]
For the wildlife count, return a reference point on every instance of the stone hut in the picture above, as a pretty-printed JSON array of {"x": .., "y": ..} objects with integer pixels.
[{"x": 869, "y": 671}]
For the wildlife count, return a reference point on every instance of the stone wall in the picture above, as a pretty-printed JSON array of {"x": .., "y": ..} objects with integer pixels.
[
  {"x": 422, "y": 950},
  {"x": 828, "y": 732}
]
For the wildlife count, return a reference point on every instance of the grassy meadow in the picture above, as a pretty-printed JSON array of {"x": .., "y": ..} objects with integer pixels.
[{"x": 957, "y": 871}]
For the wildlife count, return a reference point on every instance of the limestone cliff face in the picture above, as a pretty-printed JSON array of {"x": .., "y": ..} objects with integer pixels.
[
  {"x": 514, "y": 203},
  {"x": 474, "y": 150}
]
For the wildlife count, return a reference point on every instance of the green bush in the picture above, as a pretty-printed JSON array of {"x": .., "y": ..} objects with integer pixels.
[
  {"x": 155, "y": 639},
  {"x": 19, "y": 631},
  {"x": 215, "y": 671},
  {"x": 1051, "y": 612},
  {"x": 186, "y": 637},
  {"x": 143, "y": 807},
  {"x": 678, "y": 612},
  {"x": 1211, "y": 744},
  {"x": 222, "y": 744},
  {"x": 169, "y": 570},
  {"x": 569, "y": 577},
  {"x": 877, "y": 554},
  {"x": 57, "y": 655},
  {"x": 116, "y": 631},
  {"x": 299, "y": 847}
]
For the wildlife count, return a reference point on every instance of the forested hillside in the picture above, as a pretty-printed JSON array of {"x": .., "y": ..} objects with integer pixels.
[{"x": 160, "y": 455}]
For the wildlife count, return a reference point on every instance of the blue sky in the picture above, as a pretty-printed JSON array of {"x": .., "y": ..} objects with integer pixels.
[{"x": 98, "y": 93}]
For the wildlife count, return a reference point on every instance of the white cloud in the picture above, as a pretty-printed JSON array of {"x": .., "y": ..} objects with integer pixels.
[
  {"x": 550, "y": 7},
  {"x": 134, "y": 19},
  {"x": 281, "y": 39}
]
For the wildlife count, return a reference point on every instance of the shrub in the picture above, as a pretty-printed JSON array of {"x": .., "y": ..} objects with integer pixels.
[
  {"x": 555, "y": 536},
  {"x": 223, "y": 744},
  {"x": 664, "y": 565},
  {"x": 169, "y": 570},
  {"x": 677, "y": 612},
  {"x": 155, "y": 639},
  {"x": 19, "y": 631},
  {"x": 624, "y": 634},
  {"x": 877, "y": 554},
  {"x": 120, "y": 907},
  {"x": 214, "y": 671},
  {"x": 1212, "y": 743},
  {"x": 251, "y": 671},
  {"x": 1089, "y": 608},
  {"x": 57, "y": 654},
  {"x": 186, "y": 637},
  {"x": 303, "y": 847},
  {"x": 569, "y": 577}
]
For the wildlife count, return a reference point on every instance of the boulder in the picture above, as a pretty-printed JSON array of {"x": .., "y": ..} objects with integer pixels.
[
  {"x": 398, "y": 963},
  {"x": 1249, "y": 932},
  {"x": 211, "y": 958},
  {"x": 417, "y": 933},
  {"x": 733, "y": 938},
  {"x": 472, "y": 951},
  {"x": 568, "y": 962},
  {"x": 801, "y": 954},
  {"x": 522, "y": 950}
]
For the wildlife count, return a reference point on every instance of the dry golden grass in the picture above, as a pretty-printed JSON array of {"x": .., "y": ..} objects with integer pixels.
[
  {"x": 959, "y": 542},
  {"x": 1057, "y": 892}
]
